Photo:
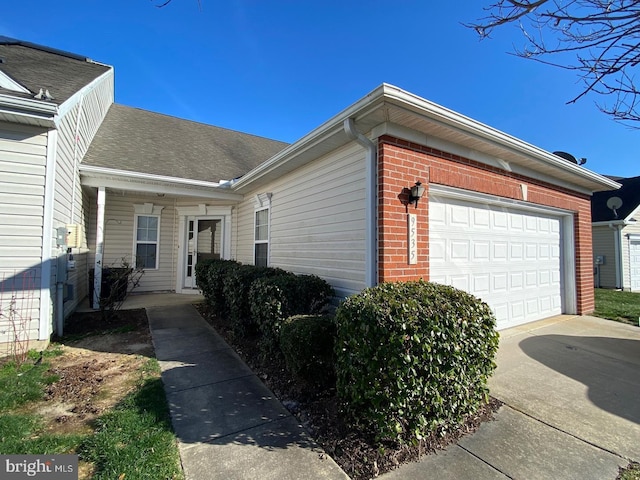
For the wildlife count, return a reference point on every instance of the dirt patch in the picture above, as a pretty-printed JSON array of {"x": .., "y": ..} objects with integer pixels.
[
  {"x": 319, "y": 412},
  {"x": 98, "y": 367}
]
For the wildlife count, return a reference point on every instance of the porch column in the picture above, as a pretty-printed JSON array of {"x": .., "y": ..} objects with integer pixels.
[{"x": 97, "y": 278}]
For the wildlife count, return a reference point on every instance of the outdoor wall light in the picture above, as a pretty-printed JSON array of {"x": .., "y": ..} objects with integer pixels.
[{"x": 416, "y": 193}]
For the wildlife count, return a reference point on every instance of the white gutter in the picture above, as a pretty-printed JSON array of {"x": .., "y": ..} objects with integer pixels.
[
  {"x": 28, "y": 104},
  {"x": 97, "y": 266},
  {"x": 371, "y": 205},
  {"x": 386, "y": 96},
  {"x": 466, "y": 124},
  {"x": 149, "y": 177}
]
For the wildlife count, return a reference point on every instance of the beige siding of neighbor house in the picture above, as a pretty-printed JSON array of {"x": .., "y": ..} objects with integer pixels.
[
  {"x": 75, "y": 133},
  {"x": 23, "y": 154},
  {"x": 317, "y": 220},
  {"x": 604, "y": 245},
  {"x": 633, "y": 229}
]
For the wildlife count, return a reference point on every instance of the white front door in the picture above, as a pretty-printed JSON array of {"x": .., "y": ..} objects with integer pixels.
[{"x": 204, "y": 241}]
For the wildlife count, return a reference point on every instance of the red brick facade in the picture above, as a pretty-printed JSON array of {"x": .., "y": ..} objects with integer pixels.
[{"x": 402, "y": 163}]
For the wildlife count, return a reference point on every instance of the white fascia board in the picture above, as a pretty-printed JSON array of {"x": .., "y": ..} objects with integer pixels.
[
  {"x": 608, "y": 223},
  {"x": 630, "y": 219},
  {"x": 389, "y": 95},
  {"x": 329, "y": 128},
  {"x": 76, "y": 97},
  {"x": 478, "y": 129},
  {"x": 141, "y": 182},
  {"x": 30, "y": 111},
  {"x": 10, "y": 84}
]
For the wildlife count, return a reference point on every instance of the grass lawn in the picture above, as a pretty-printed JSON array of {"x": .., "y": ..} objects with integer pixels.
[
  {"x": 619, "y": 306},
  {"x": 132, "y": 440}
]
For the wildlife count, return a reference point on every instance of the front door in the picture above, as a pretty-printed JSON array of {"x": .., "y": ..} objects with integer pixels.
[{"x": 204, "y": 241}]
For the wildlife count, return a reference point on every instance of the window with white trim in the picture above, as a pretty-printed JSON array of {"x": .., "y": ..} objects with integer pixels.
[
  {"x": 261, "y": 230},
  {"x": 146, "y": 236},
  {"x": 261, "y": 242}
]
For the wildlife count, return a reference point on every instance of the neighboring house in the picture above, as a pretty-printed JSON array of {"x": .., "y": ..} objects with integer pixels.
[
  {"x": 616, "y": 236},
  {"x": 499, "y": 217}
]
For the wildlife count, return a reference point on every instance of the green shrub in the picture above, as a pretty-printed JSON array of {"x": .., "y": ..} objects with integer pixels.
[
  {"x": 202, "y": 271},
  {"x": 275, "y": 298},
  {"x": 413, "y": 358},
  {"x": 271, "y": 300},
  {"x": 210, "y": 275},
  {"x": 307, "y": 342},
  {"x": 235, "y": 288}
]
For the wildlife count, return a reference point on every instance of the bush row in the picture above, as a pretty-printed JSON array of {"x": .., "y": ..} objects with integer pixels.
[
  {"x": 407, "y": 359},
  {"x": 260, "y": 299}
]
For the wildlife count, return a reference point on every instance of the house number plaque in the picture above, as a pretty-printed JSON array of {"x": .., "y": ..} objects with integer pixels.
[{"x": 412, "y": 240}]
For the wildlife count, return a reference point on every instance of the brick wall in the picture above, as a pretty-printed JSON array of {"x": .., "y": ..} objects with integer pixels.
[{"x": 402, "y": 163}]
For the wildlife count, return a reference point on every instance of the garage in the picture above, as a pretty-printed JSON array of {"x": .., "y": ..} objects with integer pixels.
[
  {"x": 634, "y": 263},
  {"x": 510, "y": 256}
]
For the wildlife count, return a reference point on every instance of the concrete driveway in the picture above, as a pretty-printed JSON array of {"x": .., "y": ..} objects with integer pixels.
[{"x": 571, "y": 388}]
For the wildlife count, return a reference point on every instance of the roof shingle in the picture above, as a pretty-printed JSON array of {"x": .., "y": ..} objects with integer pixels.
[{"x": 141, "y": 141}]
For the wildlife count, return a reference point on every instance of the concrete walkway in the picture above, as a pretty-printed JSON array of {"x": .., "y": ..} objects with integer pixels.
[
  {"x": 228, "y": 424},
  {"x": 571, "y": 387}
]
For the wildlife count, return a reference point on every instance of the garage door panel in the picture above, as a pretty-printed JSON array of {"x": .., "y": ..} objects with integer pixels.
[{"x": 508, "y": 257}]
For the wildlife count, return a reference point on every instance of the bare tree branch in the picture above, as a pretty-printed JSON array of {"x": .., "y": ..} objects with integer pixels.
[{"x": 603, "y": 36}]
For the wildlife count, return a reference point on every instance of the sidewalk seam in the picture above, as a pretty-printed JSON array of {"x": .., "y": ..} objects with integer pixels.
[
  {"x": 213, "y": 383},
  {"x": 515, "y": 409},
  {"x": 485, "y": 462}
]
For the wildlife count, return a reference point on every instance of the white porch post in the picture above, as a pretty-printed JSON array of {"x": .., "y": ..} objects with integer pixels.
[{"x": 97, "y": 278}]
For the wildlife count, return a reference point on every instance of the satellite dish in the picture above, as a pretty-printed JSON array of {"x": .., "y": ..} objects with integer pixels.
[
  {"x": 570, "y": 158},
  {"x": 614, "y": 203}
]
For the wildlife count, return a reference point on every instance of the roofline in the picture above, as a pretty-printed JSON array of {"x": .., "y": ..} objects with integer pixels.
[
  {"x": 90, "y": 169},
  {"x": 28, "y": 108},
  {"x": 392, "y": 95},
  {"x": 619, "y": 221},
  {"x": 479, "y": 129}
]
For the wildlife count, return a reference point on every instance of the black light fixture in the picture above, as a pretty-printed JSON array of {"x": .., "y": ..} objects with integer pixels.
[{"x": 416, "y": 193}]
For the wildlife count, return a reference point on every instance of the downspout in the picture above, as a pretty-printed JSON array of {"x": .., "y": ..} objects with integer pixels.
[
  {"x": 617, "y": 251},
  {"x": 97, "y": 275},
  {"x": 371, "y": 206},
  {"x": 47, "y": 237}
]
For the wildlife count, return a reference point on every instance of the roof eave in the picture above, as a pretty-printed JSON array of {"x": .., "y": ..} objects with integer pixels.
[
  {"x": 141, "y": 182},
  {"x": 375, "y": 108},
  {"x": 27, "y": 111}
]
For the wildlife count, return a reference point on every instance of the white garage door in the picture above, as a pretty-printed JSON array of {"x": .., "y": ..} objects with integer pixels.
[
  {"x": 509, "y": 258},
  {"x": 634, "y": 264}
]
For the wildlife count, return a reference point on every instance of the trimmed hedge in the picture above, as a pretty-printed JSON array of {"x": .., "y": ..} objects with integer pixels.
[
  {"x": 210, "y": 276},
  {"x": 413, "y": 358},
  {"x": 275, "y": 298},
  {"x": 236, "y": 285},
  {"x": 307, "y": 342}
]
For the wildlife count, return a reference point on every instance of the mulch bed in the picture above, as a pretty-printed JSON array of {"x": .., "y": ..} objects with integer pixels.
[{"x": 319, "y": 412}]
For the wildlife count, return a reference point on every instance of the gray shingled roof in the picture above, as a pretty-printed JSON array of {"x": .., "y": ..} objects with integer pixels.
[
  {"x": 629, "y": 193},
  {"x": 36, "y": 66},
  {"x": 141, "y": 141}
]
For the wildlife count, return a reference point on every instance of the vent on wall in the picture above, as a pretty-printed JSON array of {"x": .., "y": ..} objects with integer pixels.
[{"x": 74, "y": 235}]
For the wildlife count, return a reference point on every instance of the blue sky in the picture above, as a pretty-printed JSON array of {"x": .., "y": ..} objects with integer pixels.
[{"x": 279, "y": 69}]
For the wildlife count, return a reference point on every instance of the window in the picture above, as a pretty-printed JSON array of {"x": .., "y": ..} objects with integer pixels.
[
  {"x": 261, "y": 238},
  {"x": 147, "y": 230}
]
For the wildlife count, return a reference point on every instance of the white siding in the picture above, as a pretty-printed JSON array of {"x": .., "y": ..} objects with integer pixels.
[
  {"x": 76, "y": 131},
  {"x": 119, "y": 238},
  {"x": 23, "y": 152},
  {"x": 633, "y": 229},
  {"x": 317, "y": 220},
  {"x": 604, "y": 245}
]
